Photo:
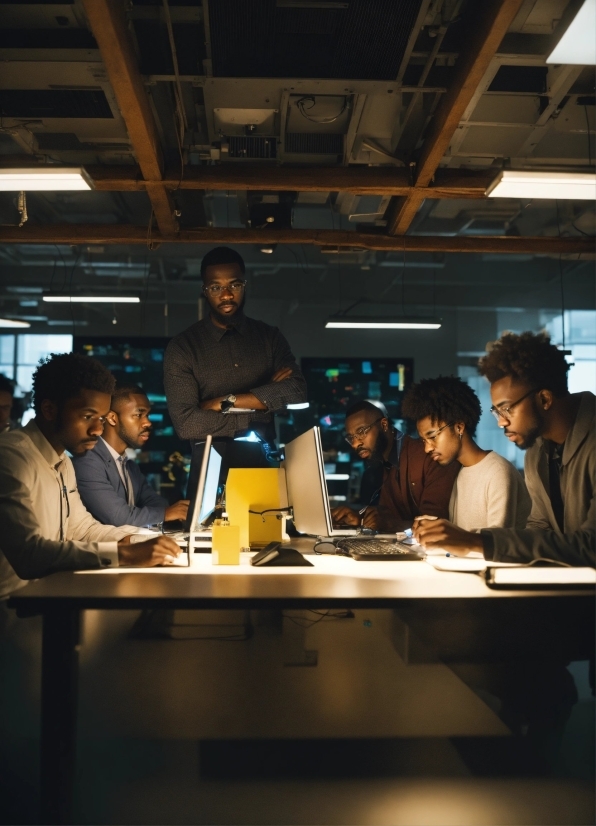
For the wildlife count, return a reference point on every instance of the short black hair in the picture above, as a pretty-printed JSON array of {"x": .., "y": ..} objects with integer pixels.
[
  {"x": 529, "y": 358},
  {"x": 62, "y": 376},
  {"x": 221, "y": 255},
  {"x": 6, "y": 385},
  {"x": 124, "y": 392},
  {"x": 361, "y": 407},
  {"x": 445, "y": 399}
]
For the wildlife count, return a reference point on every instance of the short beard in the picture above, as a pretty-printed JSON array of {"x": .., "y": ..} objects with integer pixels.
[
  {"x": 126, "y": 438},
  {"x": 535, "y": 431},
  {"x": 226, "y": 320},
  {"x": 377, "y": 454}
]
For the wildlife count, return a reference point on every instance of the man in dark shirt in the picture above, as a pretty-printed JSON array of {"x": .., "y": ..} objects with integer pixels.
[
  {"x": 228, "y": 361},
  {"x": 412, "y": 483}
]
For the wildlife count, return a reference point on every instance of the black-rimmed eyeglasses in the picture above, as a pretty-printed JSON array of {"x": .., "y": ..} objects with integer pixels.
[
  {"x": 361, "y": 432},
  {"x": 504, "y": 412}
]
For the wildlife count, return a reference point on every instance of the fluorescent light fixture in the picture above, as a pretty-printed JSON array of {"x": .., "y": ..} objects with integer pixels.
[
  {"x": 578, "y": 44},
  {"x": 92, "y": 299},
  {"x": 337, "y": 477},
  {"x": 300, "y": 406},
  {"x": 44, "y": 178},
  {"x": 359, "y": 323},
  {"x": 577, "y": 186},
  {"x": 11, "y": 322}
]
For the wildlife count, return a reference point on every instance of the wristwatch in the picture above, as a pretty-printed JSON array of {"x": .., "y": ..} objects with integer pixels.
[{"x": 228, "y": 402}]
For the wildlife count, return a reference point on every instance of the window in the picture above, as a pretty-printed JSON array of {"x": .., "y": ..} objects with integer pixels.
[{"x": 32, "y": 348}]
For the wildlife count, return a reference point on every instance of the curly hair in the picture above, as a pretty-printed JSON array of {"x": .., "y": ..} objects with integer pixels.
[
  {"x": 446, "y": 399},
  {"x": 528, "y": 358},
  {"x": 62, "y": 376}
]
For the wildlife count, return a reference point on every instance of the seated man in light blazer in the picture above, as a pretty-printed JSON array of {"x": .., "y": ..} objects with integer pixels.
[{"x": 112, "y": 486}]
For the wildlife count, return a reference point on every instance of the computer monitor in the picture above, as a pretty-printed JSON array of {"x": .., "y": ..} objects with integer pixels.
[
  {"x": 205, "y": 499},
  {"x": 307, "y": 488}
]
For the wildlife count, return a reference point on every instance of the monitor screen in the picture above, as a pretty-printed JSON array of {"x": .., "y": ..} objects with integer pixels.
[
  {"x": 209, "y": 498},
  {"x": 307, "y": 489}
]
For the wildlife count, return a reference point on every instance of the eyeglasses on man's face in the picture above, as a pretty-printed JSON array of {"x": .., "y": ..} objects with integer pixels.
[
  {"x": 431, "y": 437},
  {"x": 216, "y": 289},
  {"x": 361, "y": 432},
  {"x": 504, "y": 411}
]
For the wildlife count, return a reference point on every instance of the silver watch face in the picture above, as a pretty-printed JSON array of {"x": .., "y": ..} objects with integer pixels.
[{"x": 231, "y": 398}]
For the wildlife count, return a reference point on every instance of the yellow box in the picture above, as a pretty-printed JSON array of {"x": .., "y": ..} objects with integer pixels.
[
  {"x": 256, "y": 489},
  {"x": 225, "y": 545}
]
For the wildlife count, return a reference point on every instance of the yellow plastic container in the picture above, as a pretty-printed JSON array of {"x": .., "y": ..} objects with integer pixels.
[{"x": 225, "y": 544}]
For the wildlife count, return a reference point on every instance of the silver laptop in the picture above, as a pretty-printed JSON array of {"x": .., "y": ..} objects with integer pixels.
[{"x": 307, "y": 488}]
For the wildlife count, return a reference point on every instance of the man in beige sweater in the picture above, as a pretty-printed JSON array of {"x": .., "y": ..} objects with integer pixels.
[
  {"x": 45, "y": 526},
  {"x": 488, "y": 491}
]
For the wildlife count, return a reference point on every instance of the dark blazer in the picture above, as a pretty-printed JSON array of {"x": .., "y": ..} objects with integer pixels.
[
  {"x": 104, "y": 495},
  {"x": 417, "y": 485}
]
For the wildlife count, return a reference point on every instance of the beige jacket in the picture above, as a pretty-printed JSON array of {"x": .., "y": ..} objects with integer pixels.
[
  {"x": 44, "y": 526},
  {"x": 542, "y": 537}
]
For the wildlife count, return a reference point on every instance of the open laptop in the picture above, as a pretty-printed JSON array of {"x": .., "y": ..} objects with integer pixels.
[
  {"x": 205, "y": 499},
  {"x": 307, "y": 488}
]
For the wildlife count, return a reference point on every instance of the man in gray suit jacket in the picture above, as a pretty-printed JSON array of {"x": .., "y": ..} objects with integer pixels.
[
  {"x": 532, "y": 404},
  {"x": 111, "y": 486}
]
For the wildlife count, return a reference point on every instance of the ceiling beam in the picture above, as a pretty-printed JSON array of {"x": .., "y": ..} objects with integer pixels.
[
  {"x": 108, "y": 24},
  {"x": 123, "y": 234},
  {"x": 492, "y": 19},
  {"x": 360, "y": 180}
]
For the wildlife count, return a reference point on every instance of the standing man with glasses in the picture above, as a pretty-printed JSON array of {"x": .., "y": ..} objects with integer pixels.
[
  {"x": 228, "y": 361},
  {"x": 531, "y": 402},
  {"x": 410, "y": 483},
  {"x": 488, "y": 492}
]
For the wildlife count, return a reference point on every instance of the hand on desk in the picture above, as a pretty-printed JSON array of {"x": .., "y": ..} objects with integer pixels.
[
  {"x": 431, "y": 532},
  {"x": 346, "y": 516},
  {"x": 177, "y": 511},
  {"x": 159, "y": 551}
]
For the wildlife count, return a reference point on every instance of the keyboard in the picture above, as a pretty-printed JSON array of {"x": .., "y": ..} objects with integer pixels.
[{"x": 373, "y": 549}]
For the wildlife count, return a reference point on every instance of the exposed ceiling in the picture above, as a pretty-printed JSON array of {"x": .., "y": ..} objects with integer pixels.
[{"x": 368, "y": 128}]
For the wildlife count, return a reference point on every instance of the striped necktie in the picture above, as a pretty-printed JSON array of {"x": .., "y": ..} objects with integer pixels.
[{"x": 130, "y": 497}]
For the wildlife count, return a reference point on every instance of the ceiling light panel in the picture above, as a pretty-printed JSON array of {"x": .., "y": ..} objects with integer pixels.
[
  {"x": 576, "y": 186},
  {"x": 578, "y": 45},
  {"x": 46, "y": 179}
]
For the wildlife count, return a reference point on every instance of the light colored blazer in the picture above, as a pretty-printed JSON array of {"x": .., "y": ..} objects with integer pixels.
[{"x": 542, "y": 536}]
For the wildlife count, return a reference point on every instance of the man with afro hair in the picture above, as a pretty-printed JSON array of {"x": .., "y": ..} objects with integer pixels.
[
  {"x": 532, "y": 403},
  {"x": 488, "y": 492}
]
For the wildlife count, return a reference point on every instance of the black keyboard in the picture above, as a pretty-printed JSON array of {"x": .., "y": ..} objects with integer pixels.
[{"x": 380, "y": 549}]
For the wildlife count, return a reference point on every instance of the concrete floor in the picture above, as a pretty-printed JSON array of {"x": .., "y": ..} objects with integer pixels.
[{"x": 194, "y": 731}]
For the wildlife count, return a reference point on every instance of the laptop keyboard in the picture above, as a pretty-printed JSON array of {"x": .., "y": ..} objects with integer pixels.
[{"x": 376, "y": 549}]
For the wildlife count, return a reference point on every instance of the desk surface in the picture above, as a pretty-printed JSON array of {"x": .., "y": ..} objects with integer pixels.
[{"x": 332, "y": 579}]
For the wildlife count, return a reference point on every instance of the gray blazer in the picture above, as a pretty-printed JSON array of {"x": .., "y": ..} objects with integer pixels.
[
  {"x": 542, "y": 536},
  {"x": 104, "y": 495}
]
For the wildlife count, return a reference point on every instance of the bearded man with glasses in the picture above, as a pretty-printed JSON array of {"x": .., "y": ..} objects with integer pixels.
[
  {"x": 532, "y": 403},
  {"x": 228, "y": 362},
  {"x": 403, "y": 482}
]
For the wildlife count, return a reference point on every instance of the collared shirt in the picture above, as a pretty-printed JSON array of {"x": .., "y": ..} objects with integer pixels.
[
  {"x": 206, "y": 361},
  {"x": 45, "y": 526}
]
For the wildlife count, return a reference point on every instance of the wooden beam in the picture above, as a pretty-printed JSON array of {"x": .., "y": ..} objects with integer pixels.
[
  {"x": 490, "y": 26},
  {"x": 492, "y": 19},
  {"x": 401, "y": 212},
  {"x": 108, "y": 24},
  {"x": 360, "y": 180},
  {"x": 123, "y": 234}
]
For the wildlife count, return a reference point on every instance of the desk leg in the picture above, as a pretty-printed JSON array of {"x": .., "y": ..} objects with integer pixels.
[{"x": 58, "y": 713}]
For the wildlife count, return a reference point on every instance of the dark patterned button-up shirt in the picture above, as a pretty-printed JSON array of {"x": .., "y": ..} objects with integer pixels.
[{"x": 206, "y": 361}]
